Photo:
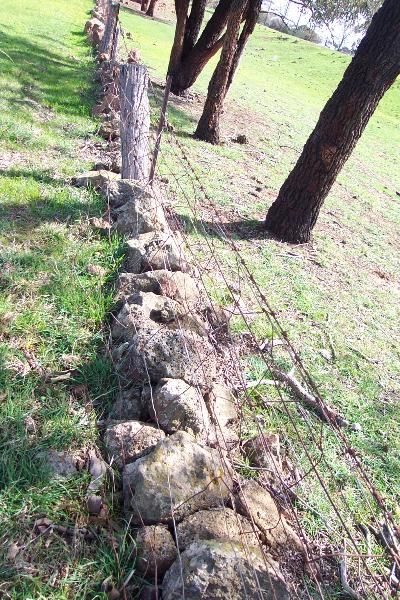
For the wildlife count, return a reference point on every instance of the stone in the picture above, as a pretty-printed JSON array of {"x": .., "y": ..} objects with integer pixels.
[
  {"x": 59, "y": 463},
  {"x": 92, "y": 23},
  {"x": 145, "y": 309},
  {"x": 156, "y": 551},
  {"x": 109, "y": 130},
  {"x": 216, "y": 524},
  {"x": 127, "y": 441},
  {"x": 150, "y": 592},
  {"x": 97, "y": 468},
  {"x": 222, "y": 406},
  {"x": 121, "y": 191},
  {"x": 94, "y": 504},
  {"x": 163, "y": 353},
  {"x": 129, "y": 405},
  {"x": 96, "y": 180},
  {"x": 155, "y": 251},
  {"x": 96, "y": 35},
  {"x": 257, "y": 504},
  {"x": 176, "y": 285},
  {"x": 263, "y": 451},
  {"x": 179, "y": 476},
  {"x": 142, "y": 213},
  {"x": 218, "y": 570},
  {"x": 177, "y": 406}
]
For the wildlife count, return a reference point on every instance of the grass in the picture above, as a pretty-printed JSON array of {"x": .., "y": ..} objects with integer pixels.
[
  {"x": 52, "y": 305},
  {"x": 340, "y": 291}
]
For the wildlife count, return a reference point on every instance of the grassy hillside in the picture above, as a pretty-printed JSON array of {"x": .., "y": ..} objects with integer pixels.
[
  {"x": 52, "y": 298},
  {"x": 341, "y": 292}
]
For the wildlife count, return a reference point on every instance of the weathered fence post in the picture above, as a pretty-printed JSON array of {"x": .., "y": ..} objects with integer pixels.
[
  {"x": 135, "y": 122},
  {"x": 114, "y": 47},
  {"x": 111, "y": 23}
]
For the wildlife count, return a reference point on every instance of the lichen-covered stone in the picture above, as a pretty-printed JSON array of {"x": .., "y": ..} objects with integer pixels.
[
  {"x": 163, "y": 353},
  {"x": 263, "y": 451},
  {"x": 156, "y": 551},
  {"x": 97, "y": 180},
  {"x": 216, "y": 524},
  {"x": 258, "y": 505},
  {"x": 216, "y": 570},
  {"x": 222, "y": 405},
  {"x": 177, "y": 478},
  {"x": 146, "y": 309},
  {"x": 129, "y": 405},
  {"x": 59, "y": 463},
  {"x": 177, "y": 406},
  {"x": 174, "y": 284},
  {"x": 141, "y": 214},
  {"x": 155, "y": 251},
  {"x": 127, "y": 441}
]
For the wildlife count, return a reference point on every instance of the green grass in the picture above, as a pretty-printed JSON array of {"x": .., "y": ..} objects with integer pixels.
[
  {"x": 52, "y": 306},
  {"x": 341, "y": 290}
]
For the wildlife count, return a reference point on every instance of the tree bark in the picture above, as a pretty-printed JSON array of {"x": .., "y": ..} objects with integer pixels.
[
  {"x": 374, "y": 68},
  {"x": 181, "y": 9},
  {"x": 186, "y": 64},
  {"x": 208, "y": 126},
  {"x": 150, "y": 10}
]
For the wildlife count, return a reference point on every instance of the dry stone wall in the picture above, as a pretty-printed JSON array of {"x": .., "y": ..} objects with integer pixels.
[{"x": 202, "y": 531}]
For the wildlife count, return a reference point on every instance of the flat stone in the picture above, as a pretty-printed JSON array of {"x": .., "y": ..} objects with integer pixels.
[
  {"x": 129, "y": 405},
  {"x": 155, "y": 251},
  {"x": 176, "y": 285},
  {"x": 163, "y": 353},
  {"x": 257, "y": 504},
  {"x": 216, "y": 570},
  {"x": 222, "y": 405},
  {"x": 126, "y": 441},
  {"x": 59, "y": 463},
  {"x": 146, "y": 309},
  {"x": 179, "y": 476},
  {"x": 263, "y": 451},
  {"x": 216, "y": 524},
  {"x": 177, "y": 406},
  {"x": 156, "y": 551},
  {"x": 96, "y": 180},
  {"x": 141, "y": 214}
]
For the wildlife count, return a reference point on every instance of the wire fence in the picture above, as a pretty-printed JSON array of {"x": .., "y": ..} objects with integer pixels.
[{"x": 340, "y": 551}]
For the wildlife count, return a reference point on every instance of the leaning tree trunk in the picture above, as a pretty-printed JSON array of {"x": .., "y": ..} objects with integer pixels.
[
  {"x": 208, "y": 125},
  {"x": 188, "y": 56},
  {"x": 150, "y": 10},
  {"x": 374, "y": 68}
]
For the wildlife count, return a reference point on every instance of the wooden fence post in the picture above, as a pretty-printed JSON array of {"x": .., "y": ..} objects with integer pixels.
[
  {"x": 135, "y": 122},
  {"x": 114, "y": 47},
  {"x": 111, "y": 23}
]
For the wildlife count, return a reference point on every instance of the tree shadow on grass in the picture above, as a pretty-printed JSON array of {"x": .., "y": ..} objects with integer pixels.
[
  {"x": 246, "y": 229},
  {"x": 48, "y": 76}
]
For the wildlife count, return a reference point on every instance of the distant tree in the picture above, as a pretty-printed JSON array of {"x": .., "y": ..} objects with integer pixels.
[
  {"x": 233, "y": 46},
  {"x": 373, "y": 69}
]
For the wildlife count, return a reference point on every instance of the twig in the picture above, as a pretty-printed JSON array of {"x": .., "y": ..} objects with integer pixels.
[
  {"x": 326, "y": 413},
  {"x": 344, "y": 581}
]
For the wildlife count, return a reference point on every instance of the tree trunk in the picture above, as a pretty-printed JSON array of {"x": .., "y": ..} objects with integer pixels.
[
  {"x": 188, "y": 58},
  {"x": 208, "y": 126},
  {"x": 150, "y": 10},
  {"x": 252, "y": 14},
  {"x": 134, "y": 122},
  {"x": 181, "y": 9},
  {"x": 374, "y": 68}
]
